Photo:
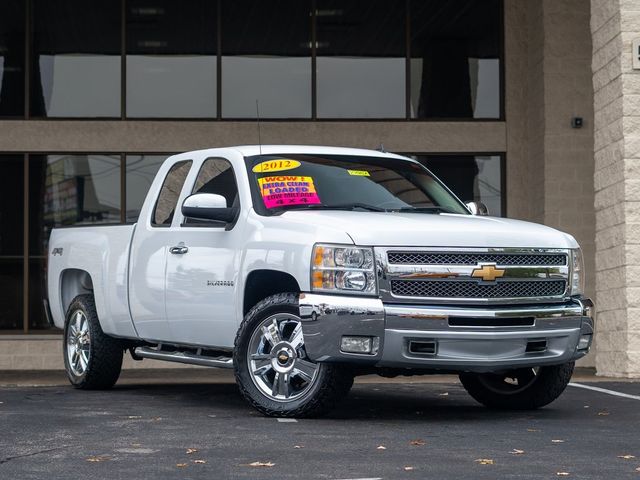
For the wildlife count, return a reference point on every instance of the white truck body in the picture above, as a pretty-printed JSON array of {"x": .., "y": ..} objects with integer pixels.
[{"x": 147, "y": 294}]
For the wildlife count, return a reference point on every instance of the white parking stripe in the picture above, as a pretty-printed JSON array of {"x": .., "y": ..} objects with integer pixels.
[
  {"x": 287, "y": 420},
  {"x": 604, "y": 390}
]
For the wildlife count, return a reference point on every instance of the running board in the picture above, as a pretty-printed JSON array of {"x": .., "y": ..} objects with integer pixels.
[{"x": 185, "y": 357}]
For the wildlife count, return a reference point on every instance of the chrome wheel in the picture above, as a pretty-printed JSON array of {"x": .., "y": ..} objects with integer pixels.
[
  {"x": 78, "y": 343},
  {"x": 277, "y": 360},
  {"x": 510, "y": 383}
]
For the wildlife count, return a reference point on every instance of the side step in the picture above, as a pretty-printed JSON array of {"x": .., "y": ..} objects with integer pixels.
[{"x": 196, "y": 357}]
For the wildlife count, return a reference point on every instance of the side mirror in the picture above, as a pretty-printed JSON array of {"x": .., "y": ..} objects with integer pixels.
[
  {"x": 208, "y": 206},
  {"x": 478, "y": 208}
]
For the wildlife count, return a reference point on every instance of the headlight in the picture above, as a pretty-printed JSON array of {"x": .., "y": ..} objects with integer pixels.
[
  {"x": 342, "y": 269},
  {"x": 577, "y": 272}
]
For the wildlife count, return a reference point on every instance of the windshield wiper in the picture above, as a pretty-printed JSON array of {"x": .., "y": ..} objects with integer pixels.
[
  {"x": 424, "y": 210},
  {"x": 344, "y": 206}
]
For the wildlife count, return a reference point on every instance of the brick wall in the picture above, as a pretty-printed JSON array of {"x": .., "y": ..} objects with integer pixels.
[{"x": 614, "y": 23}]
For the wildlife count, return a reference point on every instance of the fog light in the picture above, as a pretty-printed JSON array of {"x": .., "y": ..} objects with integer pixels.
[
  {"x": 584, "y": 342},
  {"x": 360, "y": 345}
]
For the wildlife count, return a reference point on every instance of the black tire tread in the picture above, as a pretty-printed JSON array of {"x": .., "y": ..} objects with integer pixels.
[
  {"x": 551, "y": 382},
  {"x": 330, "y": 392},
  {"x": 105, "y": 361}
]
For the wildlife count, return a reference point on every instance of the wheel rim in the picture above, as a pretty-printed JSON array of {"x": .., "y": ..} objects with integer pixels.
[
  {"x": 278, "y": 363},
  {"x": 512, "y": 382},
  {"x": 78, "y": 343}
]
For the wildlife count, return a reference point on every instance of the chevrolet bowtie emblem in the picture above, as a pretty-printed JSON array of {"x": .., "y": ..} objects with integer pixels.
[{"x": 487, "y": 273}]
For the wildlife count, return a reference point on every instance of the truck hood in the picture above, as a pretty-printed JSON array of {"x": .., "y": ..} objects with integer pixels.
[{"x": 434, "y": 230}]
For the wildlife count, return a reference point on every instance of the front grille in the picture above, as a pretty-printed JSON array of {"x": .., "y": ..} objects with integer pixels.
[
  {"x": 520, "y": 259},
  {"x": 471, "y": 289}
]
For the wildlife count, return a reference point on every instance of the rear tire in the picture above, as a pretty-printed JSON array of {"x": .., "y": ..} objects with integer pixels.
[
  {"x": 522, "y": 389},
  {"x": 92, "y": 359},
  {"x": 271, "y": 366}
]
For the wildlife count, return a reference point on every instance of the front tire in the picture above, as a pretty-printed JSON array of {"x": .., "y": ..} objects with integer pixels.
[
  {"x": 271, "y": 366},
  {"x": 92, "y": 359},
  {"x": 522, "y": 389}
]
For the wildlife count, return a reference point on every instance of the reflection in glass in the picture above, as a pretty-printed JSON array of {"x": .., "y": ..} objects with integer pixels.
[
  {"x": 470, "y": 177},
  {"x": 12, "y": 40},
  {"x": 140, "y": 172},
  {"x": 171, "y": 58},
  {"x": 11, "y": 204},
  {"x": 11, "y": 290},
  {"x": 266, "y": 56},
  {"x": 455, "y": 59},
  {"x": 71, "y": 190},
  {"x": 361, "y": 59},
  {"x": 76, "y": 59}
]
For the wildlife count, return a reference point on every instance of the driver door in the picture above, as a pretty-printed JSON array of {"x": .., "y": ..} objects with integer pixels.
[{"x": 201, "y": 275}]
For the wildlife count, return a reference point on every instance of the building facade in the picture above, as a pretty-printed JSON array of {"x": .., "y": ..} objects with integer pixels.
[{"x": 495, "y": 96}]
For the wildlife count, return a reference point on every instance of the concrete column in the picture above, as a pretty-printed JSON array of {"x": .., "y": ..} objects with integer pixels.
[{"x": 614, "y": 23}]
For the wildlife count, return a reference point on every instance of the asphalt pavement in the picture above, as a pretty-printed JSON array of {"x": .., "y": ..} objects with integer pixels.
[{"x": 196, "y": 426}]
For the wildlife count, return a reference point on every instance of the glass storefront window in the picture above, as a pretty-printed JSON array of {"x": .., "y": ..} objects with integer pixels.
[
  {"x": 455, "y": 59},
  {"x": 361, "y": 56},
  {"x": 37, "y": 291},
  {"x": 171, "y": 58},
  {"x": 471, "y": 177},
  {"x": 71, "y": 190},
  {"x": 140, "y": 172},
  {"x": 12, "y": 41},
  {"x": 266, "y": 56},
  {"x": 75, "y": 65},
  {"x": 11, "y": 205}
]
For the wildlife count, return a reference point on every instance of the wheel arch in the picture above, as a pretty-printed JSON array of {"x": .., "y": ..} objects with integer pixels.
[
  {"x": 74, "y": 282},
  {"x": 263, "y": 283}
]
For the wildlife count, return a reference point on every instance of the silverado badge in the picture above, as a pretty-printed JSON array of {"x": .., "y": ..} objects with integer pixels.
[{"x": 487, "y": 272}]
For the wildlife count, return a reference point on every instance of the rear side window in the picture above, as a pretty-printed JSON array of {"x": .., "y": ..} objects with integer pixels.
[{"x": 169, "y": 193}]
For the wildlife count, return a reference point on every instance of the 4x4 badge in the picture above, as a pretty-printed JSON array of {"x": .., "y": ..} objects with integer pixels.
[{"x": 487, "y": 272}]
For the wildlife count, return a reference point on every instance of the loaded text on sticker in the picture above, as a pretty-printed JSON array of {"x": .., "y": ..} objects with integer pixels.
[
  {"x": 283, "y": 190},
  {"x": 359, "y": 173},
  {"x": 277, "y": 165}
]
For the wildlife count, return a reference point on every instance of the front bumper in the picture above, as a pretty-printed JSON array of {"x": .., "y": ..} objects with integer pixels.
[{"x": 478, "y": 339}]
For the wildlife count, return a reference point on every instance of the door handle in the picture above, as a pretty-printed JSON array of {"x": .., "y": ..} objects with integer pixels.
[{"x": 179, "y": 250}]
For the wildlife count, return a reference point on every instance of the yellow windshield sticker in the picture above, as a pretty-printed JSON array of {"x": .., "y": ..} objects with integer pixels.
[
  {"x": 277, "y": 165},
  {"x": 359, "y": 173}
]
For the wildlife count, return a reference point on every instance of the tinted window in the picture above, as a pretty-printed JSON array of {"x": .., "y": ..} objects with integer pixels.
[
  {"x": 266, "y": 56},
  {"x": 12, "y": 39},
  {"x": 169, "y": 193},
  {"x": 171, "y": 58},
  {"x": 455, "y": 58},
  {"x": 361, "y": 58},
  {"x": 140, "y": 172},
  {"x": 216, "y": 176},
  {"x": 76, "y": 58},
  {"x": 470, "y": 177},
  {"x": 71, "y": 190},
  {"x": 11, "y": 204}
]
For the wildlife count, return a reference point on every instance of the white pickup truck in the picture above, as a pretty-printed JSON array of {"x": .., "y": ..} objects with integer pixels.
[{"x": 301, "y": 267}]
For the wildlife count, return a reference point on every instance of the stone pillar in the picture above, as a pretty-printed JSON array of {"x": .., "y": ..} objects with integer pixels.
[{"x": 614, "y": 23}]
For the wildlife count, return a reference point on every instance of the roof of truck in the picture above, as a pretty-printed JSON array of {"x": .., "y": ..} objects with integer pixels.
[{"x": 250, "y": 150}]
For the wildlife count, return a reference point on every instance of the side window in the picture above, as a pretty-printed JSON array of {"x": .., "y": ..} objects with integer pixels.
[
  {"x": 169, "y": 193},
  {"x": 216, "y": 176}
]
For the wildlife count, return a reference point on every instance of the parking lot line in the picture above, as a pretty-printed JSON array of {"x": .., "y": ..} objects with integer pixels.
[
  {"x": 604, "y": 390},
  {"x": 287, "y": 420}
]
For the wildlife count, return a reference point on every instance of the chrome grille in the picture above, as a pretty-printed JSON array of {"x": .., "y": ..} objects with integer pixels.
[
  {"x": 472, "y": 289},
  {"x": 436, "y": 258}
]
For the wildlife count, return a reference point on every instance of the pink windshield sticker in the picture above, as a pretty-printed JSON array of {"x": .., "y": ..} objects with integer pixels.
[{"x": 280, "y": 191}]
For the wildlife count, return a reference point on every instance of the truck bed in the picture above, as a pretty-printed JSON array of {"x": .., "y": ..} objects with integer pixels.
[{"x": 103, "y": 252}]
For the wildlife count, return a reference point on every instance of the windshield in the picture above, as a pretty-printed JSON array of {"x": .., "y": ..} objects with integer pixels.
[{"x": 346, "y": 182}]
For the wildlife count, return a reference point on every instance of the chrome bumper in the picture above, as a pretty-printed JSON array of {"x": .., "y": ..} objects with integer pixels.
[{"x": 549, "y": 334}]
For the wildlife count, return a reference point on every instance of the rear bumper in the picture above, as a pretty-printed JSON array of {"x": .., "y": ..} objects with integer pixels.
[{"x": 446, "y": 338}]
